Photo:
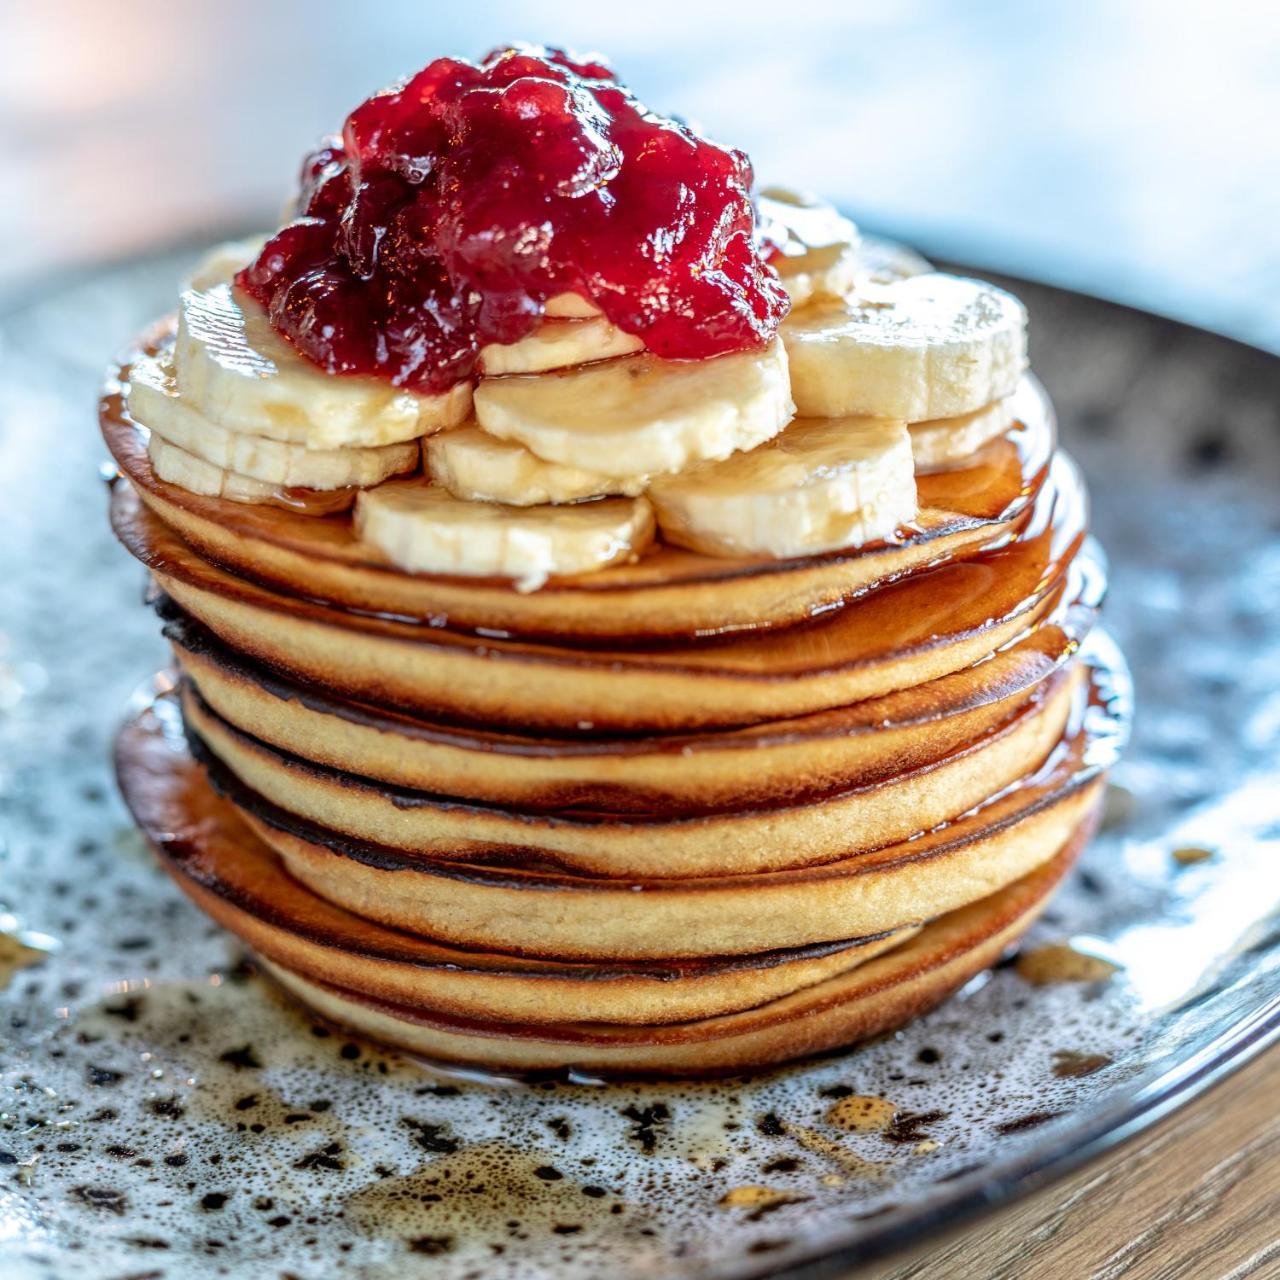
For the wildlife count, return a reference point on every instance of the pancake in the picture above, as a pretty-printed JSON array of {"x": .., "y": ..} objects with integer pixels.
[
  {"x": 773, "y": 836},
  {"x": 669, "y": 592},
  {"x": 635, "y": 808},
  {"x": 541, "y": 912},
  {"x": 711, "y": 772},
  {"x": 929, "y": 625},
  {"x": 683, "y": 816},
  {"x": 538, "y": 911},
  {"x": 488, "y": 1008},
  {"x": 241, "y": 883},
  {"x": 875, "y": 997}
]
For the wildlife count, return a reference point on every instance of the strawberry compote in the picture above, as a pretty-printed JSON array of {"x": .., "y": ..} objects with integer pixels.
[{"x": 453, "y": 206}]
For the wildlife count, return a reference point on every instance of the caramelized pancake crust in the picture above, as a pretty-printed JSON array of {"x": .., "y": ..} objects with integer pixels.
[{"x": 687, "y": 773}]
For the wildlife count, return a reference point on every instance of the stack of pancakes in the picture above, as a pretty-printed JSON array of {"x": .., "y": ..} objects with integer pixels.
[{"x": 679, "y": 816}]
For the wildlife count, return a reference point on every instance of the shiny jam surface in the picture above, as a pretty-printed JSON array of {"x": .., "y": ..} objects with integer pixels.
[{"x": 454, "y": 205}]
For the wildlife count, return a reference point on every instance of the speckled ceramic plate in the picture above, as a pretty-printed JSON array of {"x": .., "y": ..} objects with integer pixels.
[{"x": 165, "y": 1113}]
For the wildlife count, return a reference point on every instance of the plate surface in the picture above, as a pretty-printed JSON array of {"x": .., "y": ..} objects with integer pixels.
[{"x": 166, "y": 1113}]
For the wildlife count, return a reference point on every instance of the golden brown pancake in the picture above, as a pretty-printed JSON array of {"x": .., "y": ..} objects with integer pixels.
[
  {"x": 500, "y": 1011},
  {"x": 927, "y": 626},
  {"x": 669, "y": 592},
  {"x": 875, "y": 997},
  {"x": 692, "y": 773},
  {"x": 771, "y": 836},
  {"x": 544, "y": 912},
  {"x": 512, "y": 906},
  {"x": 238, "y": 880}
]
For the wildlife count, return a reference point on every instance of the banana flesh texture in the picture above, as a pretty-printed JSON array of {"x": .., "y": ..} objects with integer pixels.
[
  {"x": 222, "y": 262},
  {"x": 821, "y": 485},
  {"x": 232, "y": 367},
  {"x": 478, "y": 467},
  {"x": 945, "y": 442},
  {"x": 641, "y": 415},
  {"x": 819, "y": 247},
  {"x": 178, "y": 467},
  {"x": 569, "y": 306},
  {"x": 422, "y": 528},
  {"x": 154, "y": 403},
  {"x": 557, "y": 344},
  {"x": 883, "y": 261},
  {"x": 928, "y": 346}
]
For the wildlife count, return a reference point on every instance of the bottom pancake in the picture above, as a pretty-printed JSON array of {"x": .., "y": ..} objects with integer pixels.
[
  {"x": 233, "y": 876},
  {"x": 875, "y": 997},
  {"x": 614, "y": 976}
]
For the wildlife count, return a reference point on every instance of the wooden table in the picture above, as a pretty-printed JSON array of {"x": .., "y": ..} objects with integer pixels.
[{"x": 1195, "y": 1198}]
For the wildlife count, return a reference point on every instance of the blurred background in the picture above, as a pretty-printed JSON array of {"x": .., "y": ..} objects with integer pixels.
[{"x": 1129, "y": 148}]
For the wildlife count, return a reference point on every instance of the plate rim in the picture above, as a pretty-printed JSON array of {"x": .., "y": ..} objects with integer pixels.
[{"x": 1037, "y": 1169}]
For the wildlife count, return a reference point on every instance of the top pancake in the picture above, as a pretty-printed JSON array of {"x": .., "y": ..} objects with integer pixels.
[
  {"x": 921, "y": 628},
  {"x": 669, "y": 592}
]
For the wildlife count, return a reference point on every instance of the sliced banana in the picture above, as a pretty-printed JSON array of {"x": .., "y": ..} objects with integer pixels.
[
  {"x": 234, "y": 368},
  {"x": 178, "y": 467},
  {"x": 641, "y": 415},
  {"x": 928, "y": 346},
  {"x": 819, "y": 246},
  {"x": 883, "y": 261},
  {"x": 223, "y": 261},
  {"x": 943, "y": 442},
  {"x": 155, "y": 403},
  {"x": 478, "y": 467},
  {"x": 559, "y": 344},
  {"x": 820, "y": 485},
  {"x": 421, "y": 528},
  {"x": 569, "y": 306}
]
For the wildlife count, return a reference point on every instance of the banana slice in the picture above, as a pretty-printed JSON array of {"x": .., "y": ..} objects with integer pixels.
[
  {"x": 929, "y": 346},
  {"x": 569, "y": 306},
  {"x": 883, "y": 261},
  {"x": 821, "y": 485},
  {"x": 155, "y": 403},
  {"x": 943, "y": 442},
  {"x": 819, "y": 246},
  {"x": 423, "y": 529},
  {"x": 557, "y": 344},
  {"x": 641, "y": 415},
  {"x": 195, "y": 475},
  {"x": 234, "y": 368},
  {"x": 478, "y": 467},
  {"x": 222, "y": 262}
]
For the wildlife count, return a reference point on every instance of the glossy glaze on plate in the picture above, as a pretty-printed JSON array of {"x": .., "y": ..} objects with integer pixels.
[{"x": 167, "y": 1113}]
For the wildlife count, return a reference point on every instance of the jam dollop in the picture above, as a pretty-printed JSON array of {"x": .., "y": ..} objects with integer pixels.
[{"x": 456, "y": 204}]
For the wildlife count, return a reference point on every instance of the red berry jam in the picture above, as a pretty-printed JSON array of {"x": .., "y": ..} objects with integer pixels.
[{"x": 454, "y": 205}]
